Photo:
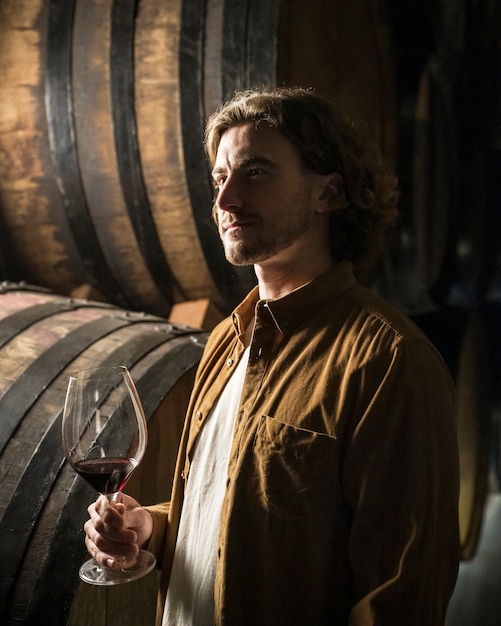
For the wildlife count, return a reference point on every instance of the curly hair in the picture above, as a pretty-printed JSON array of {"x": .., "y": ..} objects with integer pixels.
[{"x": 326, "y": 142}]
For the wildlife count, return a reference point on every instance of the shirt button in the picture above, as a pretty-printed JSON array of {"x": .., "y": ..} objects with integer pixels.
[
  {"x": 198, "y": 415},
  {"x": 229, "y": 362},
  {"x": 258, "y": 354}
]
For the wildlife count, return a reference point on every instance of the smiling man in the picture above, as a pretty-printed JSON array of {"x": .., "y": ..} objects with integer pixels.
[{"x": 317, "y": 477}]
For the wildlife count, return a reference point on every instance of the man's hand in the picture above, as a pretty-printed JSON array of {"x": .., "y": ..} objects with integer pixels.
[{"x": 116, "y": 530}]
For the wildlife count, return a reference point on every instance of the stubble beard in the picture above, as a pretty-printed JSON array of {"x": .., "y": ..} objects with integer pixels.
[
  {"x": 273, "y": 237},
  {"x": 241, "y": 253}
]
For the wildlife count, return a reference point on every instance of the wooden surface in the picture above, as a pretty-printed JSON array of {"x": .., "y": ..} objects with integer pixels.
[
  {"x": 346, "y": 54},
  {"x": 103, "y": 177},
  {"x": 43, "y": 338}
]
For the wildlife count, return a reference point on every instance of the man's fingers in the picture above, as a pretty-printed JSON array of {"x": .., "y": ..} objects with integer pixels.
[{"x": 103, "y": 549}]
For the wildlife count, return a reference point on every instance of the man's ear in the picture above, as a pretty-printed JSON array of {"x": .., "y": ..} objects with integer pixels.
[{"x": 332, "y": 192}]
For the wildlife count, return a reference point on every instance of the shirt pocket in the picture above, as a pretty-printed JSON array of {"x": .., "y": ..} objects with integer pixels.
[{"x": 295, "y": 470}]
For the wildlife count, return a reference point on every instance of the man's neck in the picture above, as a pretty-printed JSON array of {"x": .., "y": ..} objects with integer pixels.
[{"x": 277, "y": 280}]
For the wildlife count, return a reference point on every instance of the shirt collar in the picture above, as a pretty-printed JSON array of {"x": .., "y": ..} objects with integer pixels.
[{"x": 294, "y": 308}]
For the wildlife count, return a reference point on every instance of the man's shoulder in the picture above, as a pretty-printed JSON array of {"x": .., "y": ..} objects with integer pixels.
[{"x": 375, "y": 311}]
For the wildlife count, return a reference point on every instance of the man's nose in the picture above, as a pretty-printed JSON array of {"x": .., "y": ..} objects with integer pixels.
[{"x": 228, "y": 196}]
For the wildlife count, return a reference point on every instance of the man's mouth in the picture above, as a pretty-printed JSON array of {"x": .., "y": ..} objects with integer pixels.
[{"x": 236, "y": 225}]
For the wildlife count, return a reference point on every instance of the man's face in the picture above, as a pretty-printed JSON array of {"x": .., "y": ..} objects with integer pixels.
[{"x": 265, "y": 198}]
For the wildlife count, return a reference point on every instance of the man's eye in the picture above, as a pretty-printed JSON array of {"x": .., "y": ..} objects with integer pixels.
[
  {"x": 255, "y": 171},
  {"x": 218, "y": 182}
]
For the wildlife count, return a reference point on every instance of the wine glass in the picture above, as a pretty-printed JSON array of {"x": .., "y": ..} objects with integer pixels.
[{"x": 104, "y": 439}]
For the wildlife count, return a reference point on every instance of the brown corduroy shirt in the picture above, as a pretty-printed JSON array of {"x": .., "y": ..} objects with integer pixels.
[{"x": 343, "y": 479}]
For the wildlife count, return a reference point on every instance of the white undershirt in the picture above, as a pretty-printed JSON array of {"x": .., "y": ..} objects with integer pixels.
[{"x": 190, "y": 596}]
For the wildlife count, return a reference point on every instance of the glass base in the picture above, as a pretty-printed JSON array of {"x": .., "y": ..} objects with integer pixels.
[{"x": 94, "y": 574}]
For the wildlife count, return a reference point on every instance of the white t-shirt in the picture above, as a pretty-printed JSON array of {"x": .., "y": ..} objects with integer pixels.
[{"x": 190, "y": 596}]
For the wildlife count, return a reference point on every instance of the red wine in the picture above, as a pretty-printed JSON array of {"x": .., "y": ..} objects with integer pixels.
[{"x": 106, "y": 475}]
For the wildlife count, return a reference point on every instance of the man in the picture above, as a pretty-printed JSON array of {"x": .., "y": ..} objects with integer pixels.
[{"x": 317, "y": 477}]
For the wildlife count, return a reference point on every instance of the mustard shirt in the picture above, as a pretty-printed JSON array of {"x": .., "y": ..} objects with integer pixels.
[{"x": 343, "y": 479}]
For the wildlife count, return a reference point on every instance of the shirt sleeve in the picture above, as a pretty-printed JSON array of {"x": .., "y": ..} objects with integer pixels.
[
  {"x": 159, "y": 513},
  {"x": 401, "y": 481}
]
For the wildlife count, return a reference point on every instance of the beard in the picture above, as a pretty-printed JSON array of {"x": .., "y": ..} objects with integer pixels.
[{"x": 268, "y": 234}]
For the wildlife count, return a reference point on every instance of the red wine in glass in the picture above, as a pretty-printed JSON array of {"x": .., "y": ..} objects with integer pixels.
[
  {"x": 107, "y": 475},
  {"x": 104, "y": 437}
]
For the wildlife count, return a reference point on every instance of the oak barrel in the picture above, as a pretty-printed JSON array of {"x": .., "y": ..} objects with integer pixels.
[
  {"x": 460, "y": 335},
  {"x": 103, "y": 179},
  {"x": 43, "y": 338},
  {"x": 344, "y": 49}
]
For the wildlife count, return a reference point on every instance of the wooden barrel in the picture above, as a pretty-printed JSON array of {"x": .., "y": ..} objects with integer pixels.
[
  {"x": 344, "y": 49},
  {"x": 435, "y": 179},
  {"x": 103, "y": 179},
  {"x": 460, "y": 335},
  {"x": 449, "y": 89},
  {"x": 43, "y": 338},
  {"x": 493, "y": 315}
]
